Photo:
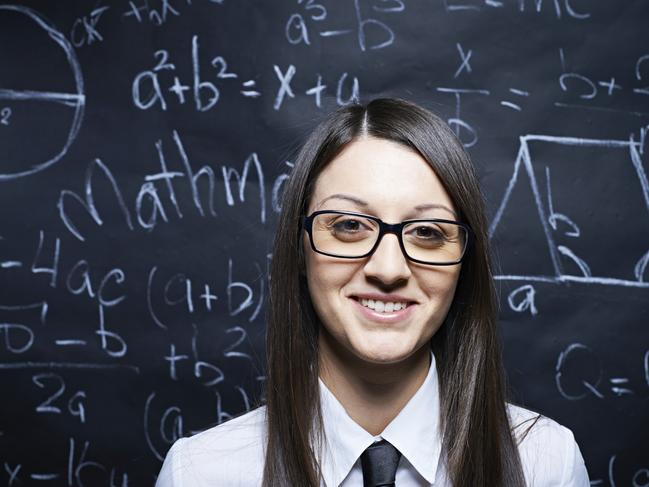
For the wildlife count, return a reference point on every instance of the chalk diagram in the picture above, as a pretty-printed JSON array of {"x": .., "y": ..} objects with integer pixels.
[
  {"x": 562, "y": 257},
  {"x": 75, "y": 99}
]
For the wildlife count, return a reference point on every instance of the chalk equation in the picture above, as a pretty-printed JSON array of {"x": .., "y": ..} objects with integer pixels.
[
  {"x": 158, "y": 12},
  {"x": 147, "y": 91},
  {"x": 159, "y": 86},
  {"x": 370, "y": 32},
  {"x": 577, "y": 91},
  {"x": 579, "y": 374},
  {"x": 25, "y": 330},
  {"x": 566, "y": 265},
  {"x": 557, "y": 8},
  {"x": 77, "y": 469},
  {"x": 85, "y": 29},
  {"x": 589, "y": 93},
  {"x": 74, "y": 99},
  {"x": 638, "y": 476},
  {"x": 135, "y": 270},
  {"x": 106, "y": 290}
]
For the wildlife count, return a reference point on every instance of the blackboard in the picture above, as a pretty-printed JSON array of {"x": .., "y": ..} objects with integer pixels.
[{"x": 143, "y": 146}]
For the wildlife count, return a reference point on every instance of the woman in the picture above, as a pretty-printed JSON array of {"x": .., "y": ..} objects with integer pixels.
[{"x": 382, "y": 342}]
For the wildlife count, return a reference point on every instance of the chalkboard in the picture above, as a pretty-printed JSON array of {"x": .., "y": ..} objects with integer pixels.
[{"x": 143, "y": 147}]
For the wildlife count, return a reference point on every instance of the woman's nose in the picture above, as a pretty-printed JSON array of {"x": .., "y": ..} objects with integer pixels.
[{"x": 387, "y": 263}]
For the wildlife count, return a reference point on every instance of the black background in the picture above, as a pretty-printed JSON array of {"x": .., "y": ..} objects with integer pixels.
[{"x": 553, "y": 102}]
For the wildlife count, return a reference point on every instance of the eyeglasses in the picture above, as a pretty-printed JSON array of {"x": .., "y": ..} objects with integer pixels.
[{"x": 353, "y": 235}]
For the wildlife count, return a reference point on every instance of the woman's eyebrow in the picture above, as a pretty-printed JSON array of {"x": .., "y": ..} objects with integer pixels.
[
  {"x": 342, "y": 196},
  {"x": 359, "y": 202},
  {"x": 433, "y": 206}
]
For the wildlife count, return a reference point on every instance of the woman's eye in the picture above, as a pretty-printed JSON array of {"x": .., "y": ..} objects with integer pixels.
[
  {"x": 347, "y": 226},
  {"x": 428, "y": 233}
]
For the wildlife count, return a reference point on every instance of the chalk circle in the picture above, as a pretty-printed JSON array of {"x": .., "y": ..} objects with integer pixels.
[{"x": 75, "y": 100}]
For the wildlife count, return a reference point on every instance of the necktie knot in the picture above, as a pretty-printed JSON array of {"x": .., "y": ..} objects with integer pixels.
[{"x": 379, "y": 462}]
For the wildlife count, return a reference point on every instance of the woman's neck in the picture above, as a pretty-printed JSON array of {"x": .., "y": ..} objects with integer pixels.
[{"x": 372, "y": 394}]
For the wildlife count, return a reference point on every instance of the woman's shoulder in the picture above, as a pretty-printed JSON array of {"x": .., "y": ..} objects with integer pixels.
[
  {"x": 231, "y": 453},
  {"x": 530, "y": 427},
  {"x": 548, "y": 450}
]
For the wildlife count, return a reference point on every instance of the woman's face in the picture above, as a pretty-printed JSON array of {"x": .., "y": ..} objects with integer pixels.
[{"x": 387, "y": 180}]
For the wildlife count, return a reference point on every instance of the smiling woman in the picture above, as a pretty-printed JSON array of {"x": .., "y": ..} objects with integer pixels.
[
  {"x": 388, "y": 181},
  {"x": 384, "y": 363}
]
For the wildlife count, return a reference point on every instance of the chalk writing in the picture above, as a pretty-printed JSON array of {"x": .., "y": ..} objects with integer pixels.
[
  {"x": 549, "y": 219},
  {"x": 371, "y": 33},
  {"x": 464, "y": 58},
  {"x": 459, "y": 125},
  {"x": 84, "y": 30},
  {"x": 148, "y": 195},
  {"x": 134, "y": 273},
  {"x": 579, "y": 374},
  {"x": 590, "y": 89},
  {"x": 522, "y": 299},
  {"x": 637, "y": 477},
  {"x": 558, "y": 7},
  {"x": 73, "y": 473},
  {"x": 76, "y": 99},
  {"x": 5, "y": 115},
  {"x": 204, "y": 93},
  {"x": 74, "y": 404},
  {"x": 347, "y": 92},
  {"x": 142, "y": 11}
]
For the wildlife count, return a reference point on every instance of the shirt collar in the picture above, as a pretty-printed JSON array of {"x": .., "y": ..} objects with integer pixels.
[{"x": 414, "y": 432}]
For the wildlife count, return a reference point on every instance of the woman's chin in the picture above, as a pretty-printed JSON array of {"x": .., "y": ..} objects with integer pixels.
[{"x": 387, "y": 352}]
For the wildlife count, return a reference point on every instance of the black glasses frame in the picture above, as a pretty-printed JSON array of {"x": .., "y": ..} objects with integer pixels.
[{"x": 385, "y": 228}]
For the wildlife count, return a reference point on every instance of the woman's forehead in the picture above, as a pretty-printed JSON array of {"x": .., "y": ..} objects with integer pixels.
[{"x": 380, "y": 175}]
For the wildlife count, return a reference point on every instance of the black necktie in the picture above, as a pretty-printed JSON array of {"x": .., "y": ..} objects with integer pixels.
[{"x": 380, "y": 462}]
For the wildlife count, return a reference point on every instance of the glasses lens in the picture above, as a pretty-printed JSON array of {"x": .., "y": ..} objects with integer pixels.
[
  {"x": 344, "y": 235},
  {"x": 435, "y": 242}
]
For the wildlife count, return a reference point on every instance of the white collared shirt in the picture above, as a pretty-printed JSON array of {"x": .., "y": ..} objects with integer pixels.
[{"x": 233, "y": 453}]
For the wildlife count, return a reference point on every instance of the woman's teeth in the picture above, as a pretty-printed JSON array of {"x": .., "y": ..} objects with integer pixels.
[{"x": 383, "y": 307}]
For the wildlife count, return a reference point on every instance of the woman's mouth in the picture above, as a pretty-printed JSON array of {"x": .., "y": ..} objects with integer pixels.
[
  {"x": 383, "y": 311},
  {"x": 383, "y": 306}
]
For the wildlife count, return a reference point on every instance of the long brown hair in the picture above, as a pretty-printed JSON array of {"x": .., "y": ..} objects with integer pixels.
[{"x": 478, "y": 443}]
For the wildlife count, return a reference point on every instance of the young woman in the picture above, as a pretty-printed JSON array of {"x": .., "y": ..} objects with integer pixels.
[{"x": 384, "y": 362}]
